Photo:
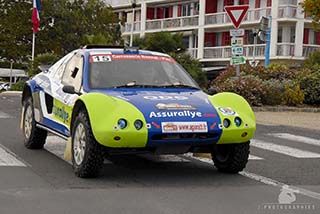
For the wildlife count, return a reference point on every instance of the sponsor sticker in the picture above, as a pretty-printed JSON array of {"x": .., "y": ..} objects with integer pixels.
[
  {"x": 185, "y": 113},
  {"x": 227, "y": 111},
  {"x": 174, "y": 106},
  {"x": 184, "y": 127},
  {"x": 165, "y": 97},
  {"x": 113, "y": 57}
]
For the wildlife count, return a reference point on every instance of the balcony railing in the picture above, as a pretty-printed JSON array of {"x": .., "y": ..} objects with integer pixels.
[
  {"x": 285, "y": 49},
  {"x": 225, "y": 51},
  {"x": 310, "y": 49},
  {"x": 287, "y": 11},
  {"x": 178, "y": 22},
  {"x": 222, "y": 18},
  {"x": 193, "y": 52},
  {"x": 127, "y": 27}
]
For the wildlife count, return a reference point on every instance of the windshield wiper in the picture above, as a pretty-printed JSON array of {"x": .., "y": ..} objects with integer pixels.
[
  {"x": 179, "y": 85},
  {"x": 134, "y": 85}
]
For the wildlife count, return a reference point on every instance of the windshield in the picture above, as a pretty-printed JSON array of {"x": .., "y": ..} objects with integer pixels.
[{"x": 109, "y": 71}]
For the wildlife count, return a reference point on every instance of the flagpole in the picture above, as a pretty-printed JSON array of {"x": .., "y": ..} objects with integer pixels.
[{"x": 33, "y": 45}]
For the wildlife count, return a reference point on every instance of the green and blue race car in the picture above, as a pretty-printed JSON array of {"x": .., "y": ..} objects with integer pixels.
[{"x": 113, "y": 101}]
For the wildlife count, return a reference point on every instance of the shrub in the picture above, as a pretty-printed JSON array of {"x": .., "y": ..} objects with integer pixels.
[
  {"x": 250, "y": 87},
  {"x": 312, "y": 60},
  {"x": 274, "y": 92},
  {"x": 41, "y": 59},
  {"x": 309, "y": 80},
  {"x": 293, "y": 95},
  {"x": 18, "y": 86}
]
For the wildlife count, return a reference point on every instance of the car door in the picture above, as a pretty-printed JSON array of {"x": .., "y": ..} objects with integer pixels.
[{"x": 63, "y": 102}]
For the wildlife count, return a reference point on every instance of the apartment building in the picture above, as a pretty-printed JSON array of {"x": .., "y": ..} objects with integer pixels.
[{"x": 205, "y": 26}]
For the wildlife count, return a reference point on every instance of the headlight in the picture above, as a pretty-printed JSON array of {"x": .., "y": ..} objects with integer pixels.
[
  {"x": 238, "y": 121},
  {"x": 122, "y": 123},
  {"x": 138, "y": 124},
  {"x": 226, "y": 123}
]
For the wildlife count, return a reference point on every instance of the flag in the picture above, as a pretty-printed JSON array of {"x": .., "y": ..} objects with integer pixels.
[{"x": 35, "y": 15}]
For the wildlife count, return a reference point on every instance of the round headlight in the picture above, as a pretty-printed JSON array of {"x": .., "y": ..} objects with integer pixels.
[
  {"x": 138, "y": 124},
  {"x": 237, "y": 121},
  {"x": 122, "y": 123},
  {"x": 226, "y": 123}
]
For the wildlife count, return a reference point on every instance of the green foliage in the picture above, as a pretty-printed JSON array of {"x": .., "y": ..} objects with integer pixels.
[
  {"x": 18, "y": 86},
  {"x": 164, "y": 42},
  {"x": 273, "y": 92},
  {"x": 312, "y": 9},
  {"x": 16, "y": 30},
  {"x": 76, "y": 23},
  {"x": 293, "y": 95},
  {"x": 312, "y": 61},
  {"x": 249, "y": 86},
  {"x": 41, "y": 59},
  {"x": 309, "y": 80}
]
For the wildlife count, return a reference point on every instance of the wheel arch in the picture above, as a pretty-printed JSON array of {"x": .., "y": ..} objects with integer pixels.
[{"x": 79, "y": 105}]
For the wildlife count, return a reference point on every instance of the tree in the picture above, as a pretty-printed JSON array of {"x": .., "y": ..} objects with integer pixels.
[
  {"x": 312, "y": 9},
  {"x": 172, "y": 44},
  {"x": 15, "y": 30}
]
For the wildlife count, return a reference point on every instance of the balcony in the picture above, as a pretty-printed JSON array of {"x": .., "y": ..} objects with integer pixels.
[
  {"x": 285, "y": 49},
  {"x": 310, "y": 49},
  {"x": 222, "y": 18},
  {"x": 127, "y": 27},
  {"x": 171, "y": 23},
  {"x": 224, "y": 52},
  {"x": 287, "y": 11}
]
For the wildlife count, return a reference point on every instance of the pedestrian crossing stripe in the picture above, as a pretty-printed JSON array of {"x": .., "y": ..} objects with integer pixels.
[
  {"x": 285, "y": 150},
  {"x": 7, "y": 158},
  {"x": 297, "y": 138}
]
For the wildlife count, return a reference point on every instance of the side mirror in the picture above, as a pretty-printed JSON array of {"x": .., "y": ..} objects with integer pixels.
[
  {"x": 69, "y": 89},
  {"x": 212, "y": 91}
]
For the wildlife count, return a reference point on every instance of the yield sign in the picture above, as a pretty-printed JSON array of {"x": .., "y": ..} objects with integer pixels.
[{"x": 236, "y": 13}]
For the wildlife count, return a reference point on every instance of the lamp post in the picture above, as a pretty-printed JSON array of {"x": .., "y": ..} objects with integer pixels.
[
  {"x": 133, "y": 3},
  {"x": 11, "y": 65}
]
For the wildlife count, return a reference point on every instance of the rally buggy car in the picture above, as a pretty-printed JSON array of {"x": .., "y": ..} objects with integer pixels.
[{"x": 127, "y": 101}]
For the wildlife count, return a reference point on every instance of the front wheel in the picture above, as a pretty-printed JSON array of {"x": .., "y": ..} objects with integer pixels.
[
  {"x": 231, "y": 158},
  {"x": 87, "y": 153},
  {"x": 34, "y": 137}
]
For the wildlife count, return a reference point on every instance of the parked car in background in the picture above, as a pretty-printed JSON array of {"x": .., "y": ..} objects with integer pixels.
[{"x": 4, "y": 86}]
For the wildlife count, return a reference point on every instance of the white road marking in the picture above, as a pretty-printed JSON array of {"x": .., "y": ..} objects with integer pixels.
[
  {"x": 253, "y": 157},
  {"x": 7, "y": 158},
  {"x": 286, "y": 150},
  {"x": 268, "y": 181},
  {"x": 301, "y": 139},
  {"x": 4, "y": 115}
]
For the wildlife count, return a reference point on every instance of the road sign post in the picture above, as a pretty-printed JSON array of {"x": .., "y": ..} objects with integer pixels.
[{"x": 236, "y": 14}]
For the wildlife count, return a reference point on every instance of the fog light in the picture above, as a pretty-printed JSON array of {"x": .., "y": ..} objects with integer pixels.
[
  {"x": 117, "y": 138},
  {"x": 226, "y": 123},
  {"x": 237, "y": 121},
  {"x": 122, "y": 123},
  {"x": 138, "y": 124}
]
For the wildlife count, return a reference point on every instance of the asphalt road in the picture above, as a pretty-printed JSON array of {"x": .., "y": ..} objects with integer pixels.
[{"x": 282, "y": 176}]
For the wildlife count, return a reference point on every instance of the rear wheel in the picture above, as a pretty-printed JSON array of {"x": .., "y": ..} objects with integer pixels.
[
  {"x": 87, "y": 153},
  {"x": 231, "y": 158},
  {"x": 34, "y": 137}
]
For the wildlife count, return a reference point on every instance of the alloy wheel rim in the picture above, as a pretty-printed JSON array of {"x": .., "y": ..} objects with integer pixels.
[
  {"x": 79, "y": 144},
  {"x": 28, "y": 122}
]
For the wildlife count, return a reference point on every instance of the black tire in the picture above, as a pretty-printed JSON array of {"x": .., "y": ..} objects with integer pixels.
[
  {"x": 231, "y": 158},
  {"x": 34, "y": 137},
  {"x": 92, "y": 161}
]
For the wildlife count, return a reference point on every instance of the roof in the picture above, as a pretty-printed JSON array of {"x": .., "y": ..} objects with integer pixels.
[
  {"x": 124, "y": 51},
  {"x": 6, "y": 72}
]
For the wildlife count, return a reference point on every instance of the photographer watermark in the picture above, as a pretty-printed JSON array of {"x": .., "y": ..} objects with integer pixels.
[{"x": 287, "y": 201}]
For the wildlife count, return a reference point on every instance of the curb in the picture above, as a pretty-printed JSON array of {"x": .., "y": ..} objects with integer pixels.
[
  {"x": 11, "y": 93},
  {"x": 286, "y": 109}
]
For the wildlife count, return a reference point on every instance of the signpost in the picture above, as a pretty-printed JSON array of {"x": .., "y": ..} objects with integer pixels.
[{"x": 236, "y": 14}]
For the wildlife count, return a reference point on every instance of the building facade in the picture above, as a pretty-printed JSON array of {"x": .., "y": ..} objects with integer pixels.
[{"x": 205, "y": 26}]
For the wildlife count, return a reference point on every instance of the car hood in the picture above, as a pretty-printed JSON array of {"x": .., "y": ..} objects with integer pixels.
[{"x": 161, "y": 107}]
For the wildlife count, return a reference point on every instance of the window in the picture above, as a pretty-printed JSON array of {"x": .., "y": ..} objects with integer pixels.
[
  {"x": 73, "y": 72},
  {"x": 279, "y": 34},
  {"x": 186, "y": 10},
  {"x": 292, "y": 34}
]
